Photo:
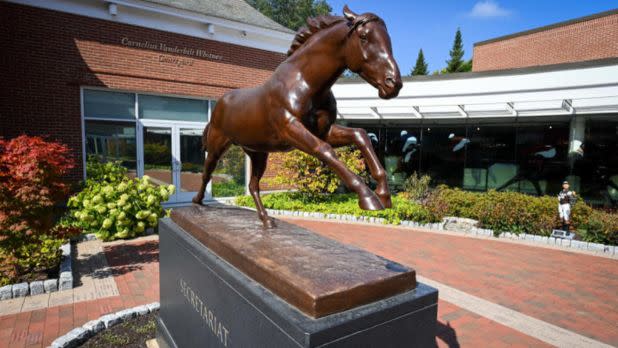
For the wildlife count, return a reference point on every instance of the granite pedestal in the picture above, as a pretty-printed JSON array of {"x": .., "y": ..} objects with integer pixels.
[{"x": 226, "y": 282}]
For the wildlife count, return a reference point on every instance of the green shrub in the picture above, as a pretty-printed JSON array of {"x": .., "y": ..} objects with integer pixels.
[
  {"x": 120, "y": 209},
  {"x": 403, "y": 209},
  {"x": 99, "y": 171},
  {"x": 417, "y": 187},
  {"x": 232, "y": 163},
  {"x": 601, "y": 227},
  {"x": 227, "y": 189},
  {"x": 312, "y": 177}
]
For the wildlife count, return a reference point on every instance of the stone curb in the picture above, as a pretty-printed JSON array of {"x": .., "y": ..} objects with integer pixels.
[
  {"x": 38, "y": 287},
  {"x": 91, "y": 236},
  {"x": 77, "y": 336},
  {"x": 483, "y": 232}
]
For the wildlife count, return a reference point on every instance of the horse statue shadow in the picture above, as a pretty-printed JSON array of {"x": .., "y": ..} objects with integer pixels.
[{"x": 296, "y": 109}]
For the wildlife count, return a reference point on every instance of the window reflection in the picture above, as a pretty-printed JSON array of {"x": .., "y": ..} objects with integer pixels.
[
  {"x": 533, "y": 158},
  {"x": 443, "y": 154},
  {"x": 112, "y": 141},
  {"x": 542, "y": 158},
  {"x": 597, "y": 164},
  {"x": 402, "y": 154},
  {"x": 191, "y": 159}
]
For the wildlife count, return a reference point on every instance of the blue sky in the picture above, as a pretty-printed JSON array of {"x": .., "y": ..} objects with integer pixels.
[{"x": 431, "y": 25}]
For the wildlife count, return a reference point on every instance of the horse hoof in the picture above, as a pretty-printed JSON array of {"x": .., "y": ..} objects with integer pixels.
[
  {"x": 386, "y": 200},
  {"x": 371, "y": 202},
  {"x": 198, "y": 200},
  {"x": 269, "y": 223}
]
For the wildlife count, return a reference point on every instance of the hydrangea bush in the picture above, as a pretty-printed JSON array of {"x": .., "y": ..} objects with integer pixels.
[{"x": 113, "y": 206}]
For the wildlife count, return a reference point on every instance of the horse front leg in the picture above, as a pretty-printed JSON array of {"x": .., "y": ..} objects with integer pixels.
[
  {"x": 295, "y": 134},
  {"x": 342, "y": 136},
  {"x": 258, "y": 167}
]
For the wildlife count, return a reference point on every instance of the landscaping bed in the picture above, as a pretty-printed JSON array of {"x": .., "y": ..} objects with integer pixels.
[
  {"x": 132, "y": 333},
  {"x": 343, "y": 204},
  {"x": 500, "y": 212}
]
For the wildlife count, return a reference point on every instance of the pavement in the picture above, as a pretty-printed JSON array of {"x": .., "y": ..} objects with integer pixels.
[{"x": 492, "y": 293}]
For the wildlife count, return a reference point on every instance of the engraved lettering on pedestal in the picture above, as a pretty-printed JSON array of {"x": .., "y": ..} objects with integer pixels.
[{"x": 207, "y": 315}]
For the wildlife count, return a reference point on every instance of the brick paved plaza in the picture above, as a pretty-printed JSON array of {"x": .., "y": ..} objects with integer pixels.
[{"x": 492, "y": 293}]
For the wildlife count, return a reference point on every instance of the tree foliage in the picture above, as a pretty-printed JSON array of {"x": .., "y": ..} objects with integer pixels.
[
  {"x": 420, "y": 68},
  {"x": 31, "y": 185},
  {"x": 291, "y": 13},
  {"x": 456, "y": 62}
]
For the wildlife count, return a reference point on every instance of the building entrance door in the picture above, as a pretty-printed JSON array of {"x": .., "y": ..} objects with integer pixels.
[{"x": 170, "y": 153}]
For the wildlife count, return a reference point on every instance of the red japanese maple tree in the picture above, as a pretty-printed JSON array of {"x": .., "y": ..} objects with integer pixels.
[{"x": 31, "y": 184}]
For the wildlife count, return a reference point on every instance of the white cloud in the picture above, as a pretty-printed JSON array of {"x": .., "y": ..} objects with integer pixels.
[{"x": 488, "y": 9}]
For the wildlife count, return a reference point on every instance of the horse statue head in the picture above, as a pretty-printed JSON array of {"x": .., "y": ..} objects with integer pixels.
[{"x": 368, "y": 52}]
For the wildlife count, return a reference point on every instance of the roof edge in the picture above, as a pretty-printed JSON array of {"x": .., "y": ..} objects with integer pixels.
[
  {"x": 489, "y": 73},
  {"x": 548, "y": 27}
]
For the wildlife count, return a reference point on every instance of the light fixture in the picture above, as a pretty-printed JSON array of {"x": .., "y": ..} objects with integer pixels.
[
  {"x": 550, "y": 127},
  {"x": 478, "y": 128},
  {"x": 428, "y": 129},
  {"x": 210, "y": 28},
  {"x": 113, "y": 9}
]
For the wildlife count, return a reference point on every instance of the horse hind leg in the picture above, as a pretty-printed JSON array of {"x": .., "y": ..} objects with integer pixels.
[
  {"x": 258, "y": 167},
  {"x": 217, "y": 144}
]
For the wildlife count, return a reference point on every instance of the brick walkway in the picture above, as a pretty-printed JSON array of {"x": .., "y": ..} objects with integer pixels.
[
  {"x": 573, "y": 291},
  {"x": 135, "y": 269}
]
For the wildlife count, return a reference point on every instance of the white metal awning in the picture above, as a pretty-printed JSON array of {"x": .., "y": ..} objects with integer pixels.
[{"x": 543, "y": 91}]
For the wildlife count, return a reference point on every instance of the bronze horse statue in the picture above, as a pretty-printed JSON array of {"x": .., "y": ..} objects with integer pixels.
[{"x": 296, "y": 109}]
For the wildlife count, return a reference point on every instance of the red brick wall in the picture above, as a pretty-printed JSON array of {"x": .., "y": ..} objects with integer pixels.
[
  {"x": 47, "y": 55},
  {"x": 591, "y": 39}
]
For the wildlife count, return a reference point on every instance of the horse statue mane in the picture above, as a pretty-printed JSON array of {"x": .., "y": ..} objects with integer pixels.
[{"x": 316, "y": 24}]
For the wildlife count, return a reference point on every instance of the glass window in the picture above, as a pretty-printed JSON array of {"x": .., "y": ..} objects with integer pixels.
[
  {"x": 229, "y": 178},
  {"x": 402, "y": 154},
  {"x": 444, "y": 153},
  {"x": 158, "y": 154},
  {"x": 541, "y": 158},
  {"x": 175, "y": 109},
  {"x": 490, "y": 157},
  {"x": 108, "y": 104},
  {"x": 595, "y": 174},
  {"x": 112, "y": 141},
  {"x": 191, "y": 158}
]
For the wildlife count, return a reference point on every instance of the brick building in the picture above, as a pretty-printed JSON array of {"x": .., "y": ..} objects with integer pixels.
[
  {"x": 132, "y": 80},
  {"x": 577, "y": 40}
]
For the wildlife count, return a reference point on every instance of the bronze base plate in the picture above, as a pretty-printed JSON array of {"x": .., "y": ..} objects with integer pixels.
[{"x": 317, "y": 275}]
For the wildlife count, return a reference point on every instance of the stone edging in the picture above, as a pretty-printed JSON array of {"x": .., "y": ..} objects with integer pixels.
[
  {"x": 38, "y": 287},
  {"x": 537, "y": 239},
  {"x": 77, "y": 336}
]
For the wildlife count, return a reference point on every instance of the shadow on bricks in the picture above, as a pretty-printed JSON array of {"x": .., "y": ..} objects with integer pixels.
[
  {"x": 126, "y": 258},
  {"x": 447, "y": 334}
]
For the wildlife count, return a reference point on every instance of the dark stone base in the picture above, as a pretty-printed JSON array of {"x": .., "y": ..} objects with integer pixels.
[{"x": 205, "y": 302}]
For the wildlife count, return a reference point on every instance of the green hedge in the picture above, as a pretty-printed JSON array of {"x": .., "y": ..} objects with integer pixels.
[
  {"x": 403, "y": 209},
  {"x": 518, "y": 212}
]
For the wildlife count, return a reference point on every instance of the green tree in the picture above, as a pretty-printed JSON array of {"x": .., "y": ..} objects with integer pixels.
[
  {"x": 421, "y": 66},
  {"x": 291, "y": 13},
  {"x": 456, "y": 63}
]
